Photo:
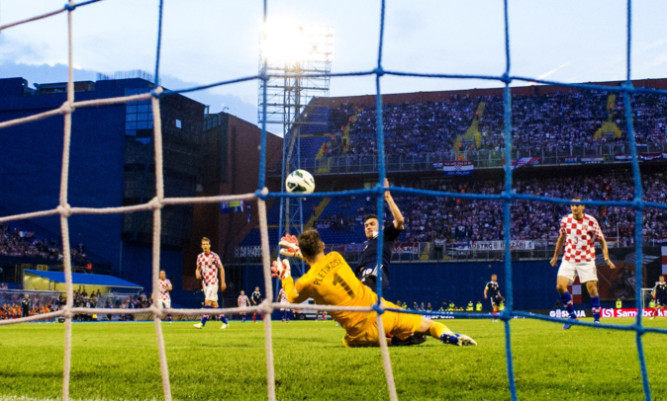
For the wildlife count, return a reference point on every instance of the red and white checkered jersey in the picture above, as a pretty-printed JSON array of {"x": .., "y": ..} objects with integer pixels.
[
  {"x": 580, "y": 237},
  {"x": 164, "y": 289},
  {"x": 243, "y": 301},
  {"x": 282, "y": 296},
  {"x": 209, "y": 267}
]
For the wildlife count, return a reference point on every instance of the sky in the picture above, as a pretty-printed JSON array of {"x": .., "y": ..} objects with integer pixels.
[{"x": 206, "y": 41}]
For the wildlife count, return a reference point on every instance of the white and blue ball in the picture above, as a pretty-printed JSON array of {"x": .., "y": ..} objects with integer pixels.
[{"x": 300, "y": 181}]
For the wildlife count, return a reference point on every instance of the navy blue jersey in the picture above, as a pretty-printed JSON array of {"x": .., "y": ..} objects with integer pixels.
[
  {"x": 256, "y": 297},
  {"x": 367, "y": 269},
  {"x": 492, "y": 289},
  {"x": 660, "y": 290}
]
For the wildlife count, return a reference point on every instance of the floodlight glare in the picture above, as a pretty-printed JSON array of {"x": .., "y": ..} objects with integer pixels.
[{"x": 285, "y": 41}]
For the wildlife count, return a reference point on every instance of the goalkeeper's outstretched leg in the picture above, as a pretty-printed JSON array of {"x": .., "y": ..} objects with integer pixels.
[
  {"x": 444, "y": 334},
  {"x": 410, "y": 329}
]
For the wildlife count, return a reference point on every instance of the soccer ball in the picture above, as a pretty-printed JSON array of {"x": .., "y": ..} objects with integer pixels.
[{"x": 300, "y": 181}]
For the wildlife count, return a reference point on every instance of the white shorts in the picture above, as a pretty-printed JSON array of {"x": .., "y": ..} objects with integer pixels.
[
  {"x": 585, "y": 270},
  {"x": 211, "y": 293},
  {"x": 166, "y": 303}
]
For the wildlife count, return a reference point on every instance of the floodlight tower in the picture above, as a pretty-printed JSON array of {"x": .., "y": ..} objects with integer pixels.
[{"x": 297, "y": 59}]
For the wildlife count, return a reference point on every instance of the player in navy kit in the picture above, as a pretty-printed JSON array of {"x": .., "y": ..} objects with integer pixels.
[
  {"x": 256, "y": 299},
  {"x": 659, "y": 295},
  {"x": 492, "y": 293},
  {"x": 164, "y": 287},
  {"x": 367, "y": 269}
]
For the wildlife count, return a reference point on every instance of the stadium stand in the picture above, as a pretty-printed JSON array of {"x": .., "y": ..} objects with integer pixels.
[
  {"x": 550, "y": 123},
  {"x": 18, "y": 242},
  {"x": 428, "y": 218},
  {"x": 551, "y": 126},
  {"x": 454, "y": 221}
]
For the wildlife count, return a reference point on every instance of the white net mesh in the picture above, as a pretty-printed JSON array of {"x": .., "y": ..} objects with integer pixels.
[{"x": 155, "y": 205}]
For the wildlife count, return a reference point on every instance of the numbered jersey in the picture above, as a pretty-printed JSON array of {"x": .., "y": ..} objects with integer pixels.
[
  {"x": 331, "y": 281},
  {"x": 580, "y": 238}
]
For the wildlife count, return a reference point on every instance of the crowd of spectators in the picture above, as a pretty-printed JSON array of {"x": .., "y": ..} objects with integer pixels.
[
  {"x": 445, "y": 219},
  {"x": 411, "y": 129},
  {"x": 546, "y": 124},
  {"x": 16, "y": 303},
  {"x": 22, "y": 243},
  {"x": 83, "y": 300},
  {"x": 121, "y": 301}
]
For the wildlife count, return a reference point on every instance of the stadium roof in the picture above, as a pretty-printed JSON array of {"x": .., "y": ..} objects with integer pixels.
[{"x": 86, "y": 279}]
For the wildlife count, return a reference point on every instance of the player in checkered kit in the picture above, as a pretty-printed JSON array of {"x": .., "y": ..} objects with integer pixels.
[
  {"x": 243, "y": 301},
  {"x": 165, "y": 286},
  {"x": 282, "y": 298},
  {"x": 579, "y": 231},
  {"x": 208, "y": 267}
]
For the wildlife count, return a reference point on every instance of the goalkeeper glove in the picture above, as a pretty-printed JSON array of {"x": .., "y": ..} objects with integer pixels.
[
  {"x": 281, "y": 269},
  {"x": 289, "y": 247}
]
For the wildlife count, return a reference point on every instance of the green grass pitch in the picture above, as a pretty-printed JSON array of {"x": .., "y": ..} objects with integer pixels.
[{"x": 119, "y": 361}]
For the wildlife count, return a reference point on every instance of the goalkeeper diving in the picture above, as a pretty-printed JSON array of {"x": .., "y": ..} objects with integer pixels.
[{"x": 331, "y": 281}]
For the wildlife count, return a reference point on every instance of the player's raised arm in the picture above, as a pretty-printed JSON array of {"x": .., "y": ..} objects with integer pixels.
[
  {"x": 295, "y": 292},
  {"x": 399, "y": 220}
]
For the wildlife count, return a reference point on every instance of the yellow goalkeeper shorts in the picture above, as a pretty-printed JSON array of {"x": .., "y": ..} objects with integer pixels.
[{"x": 400, "y": 325}]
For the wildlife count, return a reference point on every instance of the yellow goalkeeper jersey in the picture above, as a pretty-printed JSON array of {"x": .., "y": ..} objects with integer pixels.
[{"x": 331, "y": 281}]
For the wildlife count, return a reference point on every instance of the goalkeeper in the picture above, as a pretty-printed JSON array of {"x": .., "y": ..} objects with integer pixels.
[{"x": 331, "y": 281}]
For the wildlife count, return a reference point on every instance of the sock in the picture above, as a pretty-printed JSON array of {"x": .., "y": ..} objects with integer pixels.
[
  {"x": 595, "y": 306},
  {"x": 205, "y": 317},
  {"x": 223, "y": 318},
  {"x": 254, "y": 318},
  {"x": 442, "y": 333},
  {"x": 437, "y": 330},
  {"x": 566, "y": 299}
]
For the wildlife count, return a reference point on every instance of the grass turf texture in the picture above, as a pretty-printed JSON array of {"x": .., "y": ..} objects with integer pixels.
[{"x": 119, "y": 361}]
